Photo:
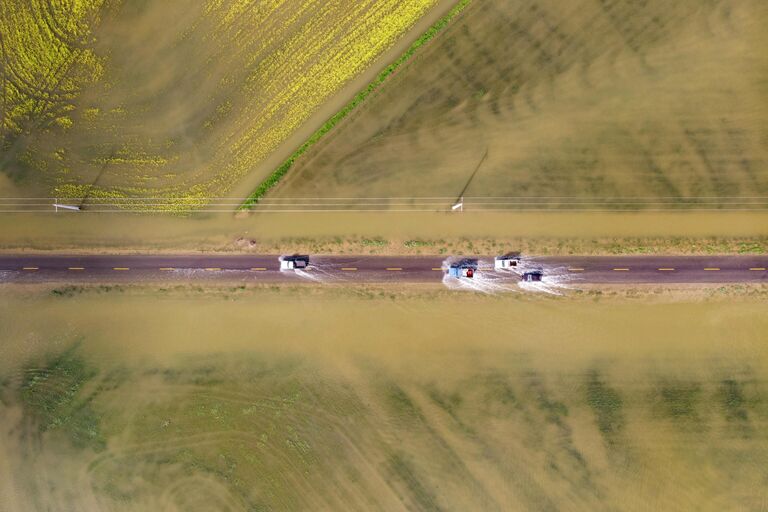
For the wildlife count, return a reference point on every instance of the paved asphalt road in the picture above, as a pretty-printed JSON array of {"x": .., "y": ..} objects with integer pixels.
[{"x": 265, "y": 268}]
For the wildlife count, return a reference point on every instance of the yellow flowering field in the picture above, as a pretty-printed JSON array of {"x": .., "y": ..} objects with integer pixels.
[
  {"x": 46, "y": 58},
  {"x": 176, "y": 101}
]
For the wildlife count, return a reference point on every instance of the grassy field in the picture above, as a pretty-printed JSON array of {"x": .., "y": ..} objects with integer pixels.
[
  {"x": 405, "y": 233},
  {"x": 108, "y": 99},
  {"x": 590, "y": 99},
  {"x": 600, "y": 409}
]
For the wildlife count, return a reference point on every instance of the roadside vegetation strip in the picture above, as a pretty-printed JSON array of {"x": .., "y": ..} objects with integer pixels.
[{"x": 360, "y": 97}]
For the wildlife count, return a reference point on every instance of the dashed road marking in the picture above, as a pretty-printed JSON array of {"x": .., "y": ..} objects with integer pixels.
[
  {"x": 621, "y": 270},
  {"x": 120, "y": 268},
  {"x": 757, "y": 269},
  {"x": 30, "y": 268},
  {"x": 712, "y": 269},
  {"x": 349, "y": 269},
  {"x": 394, "y": 269},
  {"x": 213, "y": 269},
  {"x": 437, "y": 268},
  {"x": 258, "y": 269},
  {"x": 666, "y": 269},
  {"x": 167, "y": 269},
  {"x": 76, "y": 268}
]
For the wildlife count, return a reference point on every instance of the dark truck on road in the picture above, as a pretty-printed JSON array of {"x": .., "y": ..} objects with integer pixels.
[{"x": 532, "y": 276}]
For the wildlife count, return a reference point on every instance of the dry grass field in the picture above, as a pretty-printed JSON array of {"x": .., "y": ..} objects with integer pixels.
[
  {"x": 570, "y": 99},
  {"x": 172, "y": 100},
  {"x": 638, "y": 405}
]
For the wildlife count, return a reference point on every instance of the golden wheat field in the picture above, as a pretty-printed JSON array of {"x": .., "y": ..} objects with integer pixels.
[
  {"x": 379, "y": 400},
  {"x": 567, "y": 100},
  {"x": 173, "y": 100}
]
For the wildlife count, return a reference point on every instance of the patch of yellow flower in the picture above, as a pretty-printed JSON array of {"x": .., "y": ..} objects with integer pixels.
[
  {"x": 306, "y": 69},
  {"x": 45, "y": 59},
  {"x": 280, "y": 61}
]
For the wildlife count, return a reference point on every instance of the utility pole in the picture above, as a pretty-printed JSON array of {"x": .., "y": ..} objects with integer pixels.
[
  {"x": 57, "y": 205},
  {"x": 459, "y": 204}
]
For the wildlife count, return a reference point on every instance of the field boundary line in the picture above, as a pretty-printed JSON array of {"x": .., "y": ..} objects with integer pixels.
[{"x": 359, "y": 98}]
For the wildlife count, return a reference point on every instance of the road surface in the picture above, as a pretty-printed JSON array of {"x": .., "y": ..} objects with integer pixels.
[{"x": 414, "y": 269}]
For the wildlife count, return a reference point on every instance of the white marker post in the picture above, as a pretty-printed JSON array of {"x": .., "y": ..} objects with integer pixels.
[{"x": 458, "y": 206}]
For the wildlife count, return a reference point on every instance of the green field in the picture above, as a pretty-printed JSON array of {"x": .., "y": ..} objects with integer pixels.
[
  {"x": 584, "y": 100},
  {"x": 236, "y": 406}
]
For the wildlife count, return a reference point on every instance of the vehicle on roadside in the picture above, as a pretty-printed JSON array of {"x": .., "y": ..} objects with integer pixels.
[
  {"x": 532, "y": 276},
  {"x": 506, "y": 261},
  {"x": 294, "y": 262},
  {"x": 463, "y": 268}
]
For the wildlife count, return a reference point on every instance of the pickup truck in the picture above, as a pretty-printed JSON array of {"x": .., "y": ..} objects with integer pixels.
[
  {"x": 532, "y": 276},
  {"x": 294, "y": 262},
  {"x": 509, "y": 260},
  {"x": 463, "y": 268}
]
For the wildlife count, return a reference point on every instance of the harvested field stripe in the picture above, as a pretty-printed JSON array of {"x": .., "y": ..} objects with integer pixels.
[{"x": 360, "y": 97}]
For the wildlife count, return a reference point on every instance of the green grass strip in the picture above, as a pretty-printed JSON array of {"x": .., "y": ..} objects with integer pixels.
[{"x": 281, "y": 171}]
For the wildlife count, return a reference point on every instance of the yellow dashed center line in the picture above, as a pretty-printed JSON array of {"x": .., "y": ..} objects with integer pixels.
[
  {"x": 394, "y": 268},
  {"x": 213, "y": 269},
  {"x": 666, "y": 269},
  {"x": 349, "y": 269},
  {"x": 621, "y": 270},
  {"x": 757, "y": 269},
  {"x": 120, "y": 268},
  {"x": 76, "y": 268},
  {"x": 712, "y": 269},
  {"x": 258, "y": 269},
  {"x": 30, "y": 268},
  {"x": 437, "y": 268},
  {"x": 166, "y": 269}
]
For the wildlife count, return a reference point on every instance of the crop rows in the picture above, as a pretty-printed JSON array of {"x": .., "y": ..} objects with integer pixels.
[
  {"x": 588, "y": 99},
  {"x": 318, "y": 60},
  {"x": 277, "y": 62},
  {"x": 45, "y": 60}
]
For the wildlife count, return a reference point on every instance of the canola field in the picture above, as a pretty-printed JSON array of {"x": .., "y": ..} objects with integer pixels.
[
  {"x": 46, "y": 60},
  {"x": 107, "y": 99}
]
